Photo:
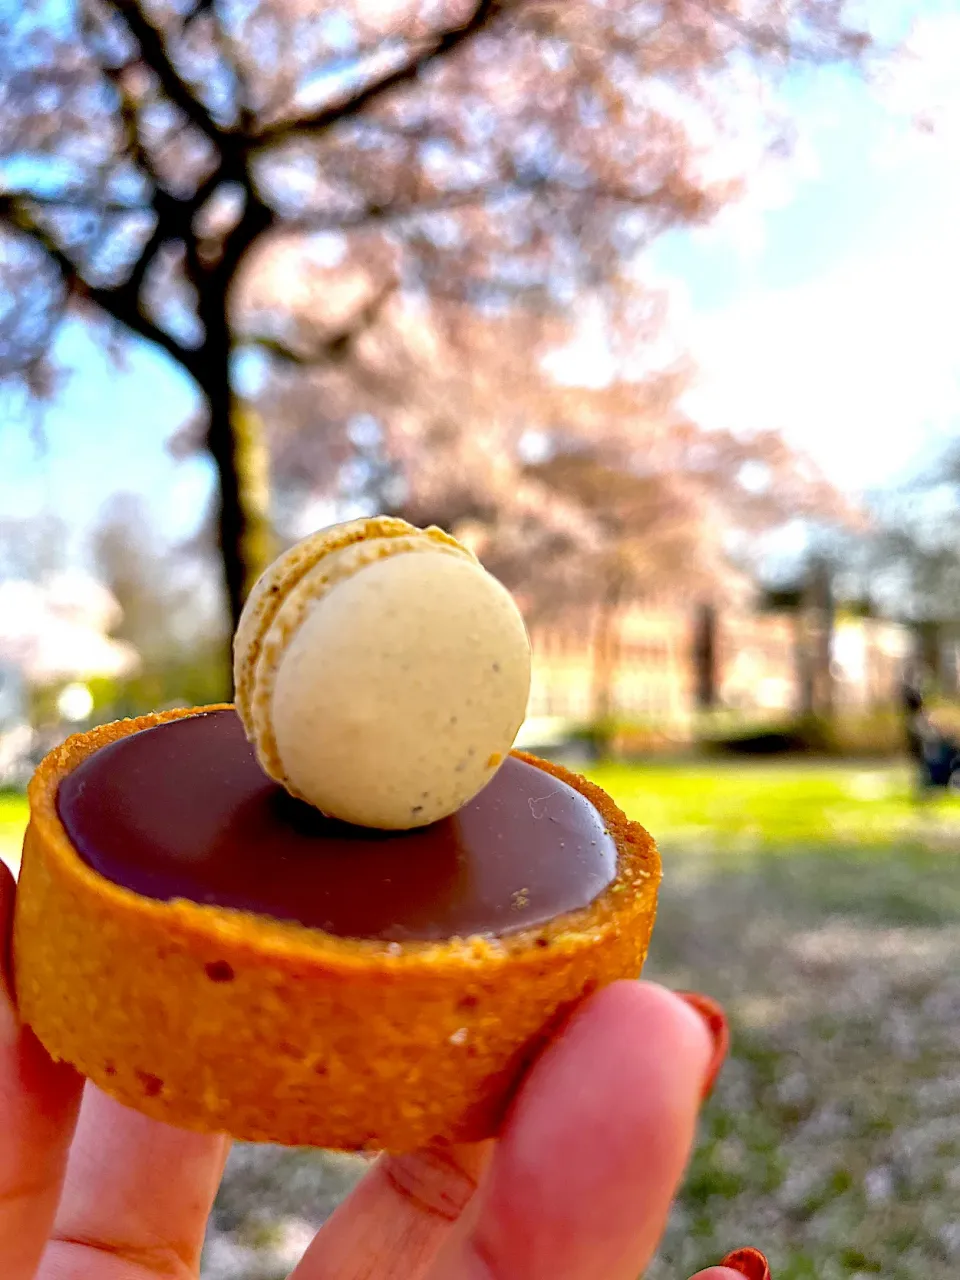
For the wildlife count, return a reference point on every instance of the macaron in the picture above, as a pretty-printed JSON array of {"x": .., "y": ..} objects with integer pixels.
[{"x": 381, "y": 673}]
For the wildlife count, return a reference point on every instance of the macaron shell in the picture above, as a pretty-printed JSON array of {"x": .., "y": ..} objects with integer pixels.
[
  {"x": 301, "y": 599},
  {"x": 277, "y": 581},
  {"x": 402, "y": 689},
  {"x": 268, "y": 594}
]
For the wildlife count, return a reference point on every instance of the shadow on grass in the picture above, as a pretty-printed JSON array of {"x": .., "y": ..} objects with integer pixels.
[
  {"x": 833, "y": 1138},
  {"x": 901, "y": 884}
]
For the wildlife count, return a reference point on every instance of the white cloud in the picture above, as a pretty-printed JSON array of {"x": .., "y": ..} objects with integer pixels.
[
  {"x": 861, "y": 364},
  {"x": 858, "y": 366},
  {"x": 774, "y": 183},
  {"x": 923, "y": 84}
]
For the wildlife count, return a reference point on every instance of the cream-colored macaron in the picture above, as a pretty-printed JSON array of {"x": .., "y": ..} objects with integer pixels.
[{"x": 381, "y": 673}]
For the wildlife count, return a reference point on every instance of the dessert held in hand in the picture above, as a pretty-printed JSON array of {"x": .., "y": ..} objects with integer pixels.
[{"x": 343, "y": 913}]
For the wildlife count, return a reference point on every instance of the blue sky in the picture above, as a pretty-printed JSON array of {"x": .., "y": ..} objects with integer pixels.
[
  {"x": 823, "y": 304},
  {"x": 106, "y": 432}
]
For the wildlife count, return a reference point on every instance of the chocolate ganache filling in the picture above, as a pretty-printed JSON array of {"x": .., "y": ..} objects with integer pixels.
[{"x": 183, "y": 810}]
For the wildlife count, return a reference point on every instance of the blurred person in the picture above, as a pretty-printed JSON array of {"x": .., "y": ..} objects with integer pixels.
[
  {"x": 934, "y": 753},
  {"x": 912, "y": 709},
  {"x": 577, "y": 1187}
]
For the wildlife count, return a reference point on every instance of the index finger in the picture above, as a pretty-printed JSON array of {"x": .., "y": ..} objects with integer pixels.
[{"x": 39, "y": 1101}]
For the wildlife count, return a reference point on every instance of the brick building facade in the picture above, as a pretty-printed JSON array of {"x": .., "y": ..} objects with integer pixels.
[{"x": 655, "y": 674}]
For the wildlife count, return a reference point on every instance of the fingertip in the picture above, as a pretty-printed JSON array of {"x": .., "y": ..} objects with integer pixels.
[
  {"x": 39, "y": 1075},
  {"x": 632, "y": 1012},
  {"x": 718, "y": 1273},
  {"x": 55, "y": 1086},
  {"x": 747, "y": 1262},
  {"x": 597, "y": 1138},
  {"x": 8, "y": 887},
  {"x": 630, "y": 1041}
]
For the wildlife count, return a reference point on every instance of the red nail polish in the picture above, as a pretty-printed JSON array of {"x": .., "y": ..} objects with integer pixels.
[
  {"x": 716, "y": 1022},
  {"x": 749, "y": 1262}
]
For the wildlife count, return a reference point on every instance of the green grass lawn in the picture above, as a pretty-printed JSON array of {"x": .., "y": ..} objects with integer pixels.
[
  {"x": 13, "y": 820},
  {"x": 822, "y": 907},
  {"x": 725, "y": 805}
]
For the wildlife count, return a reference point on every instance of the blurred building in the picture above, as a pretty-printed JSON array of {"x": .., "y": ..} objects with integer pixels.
[{"x": 664, "y": 669}]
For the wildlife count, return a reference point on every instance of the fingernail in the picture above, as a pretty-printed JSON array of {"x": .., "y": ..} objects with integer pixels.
[
  {"x": 749, "y": 1262},
  {"x": 9, "y": 1022},
  {"x": 716, "y": 1023}
]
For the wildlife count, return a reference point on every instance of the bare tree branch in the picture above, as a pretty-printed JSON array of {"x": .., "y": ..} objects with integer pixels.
[
  {"x": 126, "y": 103},
  {"x": 257, "y": 217},
  {"x": 128, "y": 116},
  {"x": 76, "y": 200},
  {"x": 476, "y": 197},
  {"x": 766, "y": 39},
  {"x": 231, "y": 54},
  {"x": 172, "y": 216},
  {"x": 120, "y": 303},
  {"x": 444, "y": 42},
  {"x": 134, "y": 282},
  {"x": 125, "y": 311},
  {"x": 331, "y": 349},
  {"x": 153, "y": 50},
  {"x": 283, "y": 352}
]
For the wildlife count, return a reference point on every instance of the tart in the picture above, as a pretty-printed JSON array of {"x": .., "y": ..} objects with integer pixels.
[{"x": 218, "y": 954}]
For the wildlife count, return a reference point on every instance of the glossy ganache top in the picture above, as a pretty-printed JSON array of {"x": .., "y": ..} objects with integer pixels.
[{"x": 183, "y": 810}]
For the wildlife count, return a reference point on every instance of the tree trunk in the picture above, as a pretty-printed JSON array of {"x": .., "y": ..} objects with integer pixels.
[
  {"x": 804, "y": 667},
  {"x": 823, "y": 610},
  {"x": 930, "y": 636},
  {"x": 234, "y": 438},
  {"x": 253, "y": 471},
  {"x": 235, "y": 442},
  {"x": 229, "y": 515},
  {"x": 815, "y": 626},
  {"x": 705, "y": 657},
  {"x": 606, "y": 651}
]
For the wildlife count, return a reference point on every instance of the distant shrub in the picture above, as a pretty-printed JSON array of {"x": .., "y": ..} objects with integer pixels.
[
  {"x": 874, "y": 733},
  {"x": 878, "y": 732},
  {"x": 624, "y": 737},
  {"x": 753, "y": 738}
]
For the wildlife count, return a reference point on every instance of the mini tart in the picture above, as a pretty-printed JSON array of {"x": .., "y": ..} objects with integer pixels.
[{"x": 221, "y": 1020}]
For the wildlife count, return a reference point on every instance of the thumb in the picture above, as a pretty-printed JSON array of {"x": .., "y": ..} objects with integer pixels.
[{"x": 582, "y": 1179}]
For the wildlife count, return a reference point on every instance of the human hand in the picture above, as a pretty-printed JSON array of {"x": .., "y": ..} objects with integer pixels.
[{"x": 577, "y": 1187}]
